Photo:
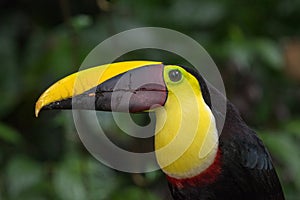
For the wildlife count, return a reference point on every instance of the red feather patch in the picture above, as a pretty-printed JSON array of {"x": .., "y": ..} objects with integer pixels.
[{"x": 207, "y": 177}]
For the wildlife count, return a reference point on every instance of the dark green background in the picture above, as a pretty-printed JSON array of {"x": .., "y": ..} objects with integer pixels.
[{"x": 255, "y": 44}]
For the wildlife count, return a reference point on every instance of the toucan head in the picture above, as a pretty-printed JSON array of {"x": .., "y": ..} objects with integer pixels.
[{"x": 185, "y": 127}]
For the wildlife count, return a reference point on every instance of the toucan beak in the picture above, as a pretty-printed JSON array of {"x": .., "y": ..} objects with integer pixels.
[{"x": 133, "y": 86}]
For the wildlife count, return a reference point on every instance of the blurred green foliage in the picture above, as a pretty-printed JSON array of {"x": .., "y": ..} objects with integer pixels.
[{"x": 42, "y": 41}]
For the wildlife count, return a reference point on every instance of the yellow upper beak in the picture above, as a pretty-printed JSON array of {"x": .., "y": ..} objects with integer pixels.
[{"x": 82, "y": 81}]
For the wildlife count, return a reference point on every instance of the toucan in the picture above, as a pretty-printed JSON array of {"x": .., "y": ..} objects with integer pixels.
[{"x": 200, "y": 160}]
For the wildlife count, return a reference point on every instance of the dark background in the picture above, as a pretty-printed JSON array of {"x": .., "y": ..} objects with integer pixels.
[{"x": 255, "y": 44}]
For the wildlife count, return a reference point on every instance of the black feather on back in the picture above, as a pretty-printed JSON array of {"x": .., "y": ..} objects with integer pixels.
[{"x": 246, "y": 160}]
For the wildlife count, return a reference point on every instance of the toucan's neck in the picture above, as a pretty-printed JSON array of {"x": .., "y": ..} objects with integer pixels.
[{"x": 186, "y": 140}]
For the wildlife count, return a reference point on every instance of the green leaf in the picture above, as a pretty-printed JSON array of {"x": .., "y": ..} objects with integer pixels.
[
  {"x": 101, "y": 180},
  {"x": 134, "y": 193},
  {"x": 22, "y": 176},
  {"x": 9, "y": 134},
  {"x": 67, "y": 180},
  {"x": 195, "y": 13},
  {"x": 293, "y": 127},
  {"x": 81, "y": 21},
  {"x": 269, "y": 52}
]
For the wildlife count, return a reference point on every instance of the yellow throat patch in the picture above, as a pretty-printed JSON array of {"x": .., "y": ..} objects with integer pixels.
[{"x": 186, "y": 139}]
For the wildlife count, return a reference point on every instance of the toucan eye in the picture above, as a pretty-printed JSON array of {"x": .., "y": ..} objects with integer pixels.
[{"x": 175, "y": 75}]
